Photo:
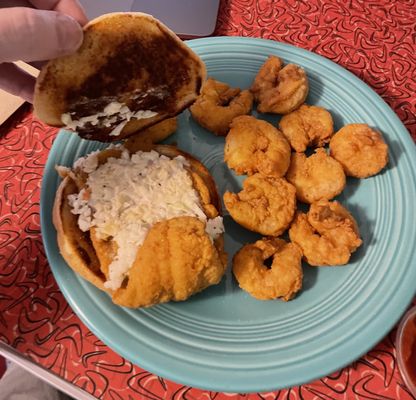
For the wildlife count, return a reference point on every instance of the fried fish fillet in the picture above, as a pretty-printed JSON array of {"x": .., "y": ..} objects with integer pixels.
[{"x": 177, "y": 258}]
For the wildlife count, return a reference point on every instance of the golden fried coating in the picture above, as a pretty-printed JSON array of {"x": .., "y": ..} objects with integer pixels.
[
  {"x": 360, "y": 150},
  {"x": 327, "y": 234},
  {"x": 253, "y": 145},
  {"x": 279, "y": 90},
  {"x": 265, "y": 205},
  {"x": 178, "y": 251},
  {"x": 316, "y": 177},
  {"x": 307, "y": 126},
  {"x": 284, "y": 278},
  {"x": 176, "y": 260},
  {"x": 204, "y": 194},
  {"x": 218, "y": 104},
  {"x": 145, "y": 139}
]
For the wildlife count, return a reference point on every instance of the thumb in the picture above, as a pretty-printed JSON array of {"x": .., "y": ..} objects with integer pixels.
[{"x": 29, "y": 34}]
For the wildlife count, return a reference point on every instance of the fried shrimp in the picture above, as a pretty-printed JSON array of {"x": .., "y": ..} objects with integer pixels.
[
  {"x": 327, "y": 234},
  {"x": 307, "y": 126},
  {"x": 360, "y": 150},
  {"x": 279, "y": 90},
  {"x": 265, "y": 205},
  {"x": 253, "y": 145},
  {"x": 316, "y": 177},
  {"x": 218, "y": 104},
  {"x": 284, "y": 278}
]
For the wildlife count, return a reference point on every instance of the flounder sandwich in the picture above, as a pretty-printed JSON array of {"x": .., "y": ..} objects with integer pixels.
[
  {"x": 130, "y": 73},
  {"x": 144, "y": 226}
]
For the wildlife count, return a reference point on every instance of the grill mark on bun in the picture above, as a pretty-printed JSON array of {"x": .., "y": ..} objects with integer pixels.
[
  {"x": 130, "y": 62},
  {"x": 127, "y": 59}
]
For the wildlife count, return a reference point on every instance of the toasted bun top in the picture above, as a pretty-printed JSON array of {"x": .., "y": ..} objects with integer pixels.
[{"x": 127, "y": 58}]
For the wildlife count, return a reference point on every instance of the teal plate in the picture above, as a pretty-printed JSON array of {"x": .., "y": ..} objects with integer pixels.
[{"x": 224, "y": 340}]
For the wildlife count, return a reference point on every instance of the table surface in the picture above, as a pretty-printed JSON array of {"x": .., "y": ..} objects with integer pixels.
[{"x": 371, "y": 38}]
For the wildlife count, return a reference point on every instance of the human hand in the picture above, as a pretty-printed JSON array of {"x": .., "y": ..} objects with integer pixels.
[{"x": 36, "y": 30}]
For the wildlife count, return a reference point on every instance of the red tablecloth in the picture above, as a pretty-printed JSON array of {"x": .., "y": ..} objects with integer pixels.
[{"x": 371, "y": 38}]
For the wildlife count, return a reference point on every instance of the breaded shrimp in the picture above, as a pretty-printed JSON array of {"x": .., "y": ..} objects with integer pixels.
[
  {"x": 218, "y": 104},
  {"x": 360, "y": 150},
  {"x": 265, "y": 205},
  {"x": 316, "y": 177},
  {"x": 327, "y": 234},
  {"x": 279, "y": 90},
  {"x": 253, "y": 145},
  {"x": 284, "y": 278},
  {"x": 307, "y": 126}
]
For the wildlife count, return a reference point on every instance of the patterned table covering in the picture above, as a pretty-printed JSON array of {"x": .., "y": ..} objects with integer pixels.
[{"x": 374, "y": 39}]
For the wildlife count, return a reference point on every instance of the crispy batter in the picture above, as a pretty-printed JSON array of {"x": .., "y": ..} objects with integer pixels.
[
  {"x": 279, "y": 90},
  {"x": 192, "y": 257},
  {"x": 284, "y": 278},
  {"x": 218, "y": 105},
  {"x": 327, "y": 234},
  {"x": 307, "y": 126},
  {"x": 204, "y": 195},
  {"x": 253, "y": 145},
  {"x": 360, "y": 150},
  {"x": 143, "y": 140},
  {"x": 316, "y": 177},
  {"x": 176, "y": 260},
  {"x": 265, "y": 205}
]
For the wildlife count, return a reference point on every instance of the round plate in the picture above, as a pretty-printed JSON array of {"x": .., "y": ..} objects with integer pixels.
[{"x": 224, "y": 340}]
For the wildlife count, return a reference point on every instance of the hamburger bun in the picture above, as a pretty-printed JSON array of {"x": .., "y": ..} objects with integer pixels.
[
  {"x": 177, "y": 258},
  {"x": 130, "y": 73}
]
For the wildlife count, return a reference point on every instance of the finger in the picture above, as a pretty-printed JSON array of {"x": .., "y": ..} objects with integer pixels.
[
  {"x": 32, "y": 35},
  {"x": 15, "y": 3},
  {"x": 68, "y": 7},
  {"x": 16, "y": 81}
]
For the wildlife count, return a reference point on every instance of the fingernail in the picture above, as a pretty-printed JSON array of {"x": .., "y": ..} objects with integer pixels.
[{"x": 69, "y": 32}]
